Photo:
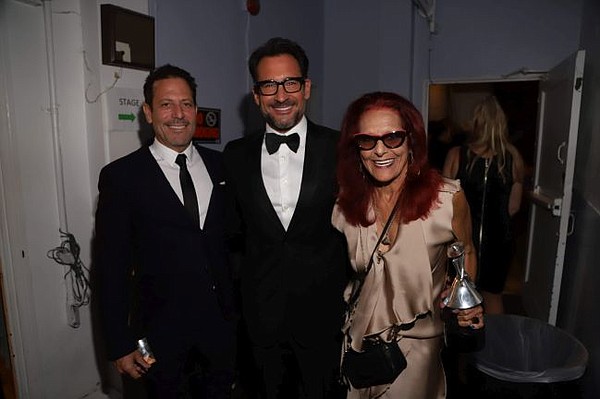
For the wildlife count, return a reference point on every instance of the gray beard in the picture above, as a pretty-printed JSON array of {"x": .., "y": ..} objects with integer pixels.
[{"x": 281, "y": 127}]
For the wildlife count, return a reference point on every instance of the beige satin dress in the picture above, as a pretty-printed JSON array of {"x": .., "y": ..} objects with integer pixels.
[{"x": 403, "y": 289}]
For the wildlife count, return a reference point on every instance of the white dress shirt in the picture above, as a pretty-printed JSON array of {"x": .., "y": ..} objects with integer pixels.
[
  {"x": 165, "y": 157},
  {"x": 282, "y": 173}
]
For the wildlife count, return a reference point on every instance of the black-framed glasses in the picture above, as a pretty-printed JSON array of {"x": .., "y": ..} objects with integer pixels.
[
  {"x": 391, "y": 140},
  {"x": 270, "y": 87}
]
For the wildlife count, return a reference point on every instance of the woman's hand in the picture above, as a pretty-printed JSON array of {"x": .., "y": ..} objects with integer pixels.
[{"x": 472, "y": 317}]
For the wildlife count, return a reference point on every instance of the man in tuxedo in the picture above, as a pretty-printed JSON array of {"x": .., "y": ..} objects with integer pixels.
[
  {"x": 161, "y": 258},
  {"x": 281, "y": 191}
]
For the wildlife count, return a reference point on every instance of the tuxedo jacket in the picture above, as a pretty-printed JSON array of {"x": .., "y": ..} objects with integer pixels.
[
  {"x": 291, "y": 282},
  {"x": 159, "y": 275}
]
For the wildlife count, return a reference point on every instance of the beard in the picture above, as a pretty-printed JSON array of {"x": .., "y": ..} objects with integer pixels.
[
  {"x": 283, "y": 125},
  {"x": 285, "y": 122}
]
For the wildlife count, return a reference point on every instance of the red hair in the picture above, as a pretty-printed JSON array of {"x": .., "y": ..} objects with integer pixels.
[{"x": 420, "y": 192}]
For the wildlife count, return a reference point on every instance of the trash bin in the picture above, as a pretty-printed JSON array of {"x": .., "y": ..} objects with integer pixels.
[{"x": 527, "y": 358}]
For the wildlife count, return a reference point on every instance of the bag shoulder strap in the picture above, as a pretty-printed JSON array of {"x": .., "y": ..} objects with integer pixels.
[{"x": 354, "y": 298}]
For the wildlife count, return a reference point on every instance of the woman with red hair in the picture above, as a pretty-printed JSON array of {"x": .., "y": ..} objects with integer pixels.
[{"x": 383, "y": 174}]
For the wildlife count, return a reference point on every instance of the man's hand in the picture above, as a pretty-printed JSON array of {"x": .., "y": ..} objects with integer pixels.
[{"x": 132, "y": 364}]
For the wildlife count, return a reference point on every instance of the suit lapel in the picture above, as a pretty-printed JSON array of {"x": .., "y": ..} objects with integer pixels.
[
  {"x": 161, "y": 188},
  {"x": 257, "y": 185},
  {"x": 217, "y": 196},
  {"x": 313, "y": 153}
]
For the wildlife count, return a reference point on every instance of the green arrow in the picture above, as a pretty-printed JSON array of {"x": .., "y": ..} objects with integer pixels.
[{"x": 127, "y": 117}]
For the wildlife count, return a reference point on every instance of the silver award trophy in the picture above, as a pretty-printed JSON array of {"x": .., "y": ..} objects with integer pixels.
[
  {"x": 463, "y": 295},
  {"x": 145, "y": 350}
]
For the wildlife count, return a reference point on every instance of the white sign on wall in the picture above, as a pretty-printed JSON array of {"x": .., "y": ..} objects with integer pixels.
[{"x": 124, "y": 109}]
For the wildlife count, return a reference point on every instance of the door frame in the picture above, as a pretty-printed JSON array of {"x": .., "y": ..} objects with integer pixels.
[
  {"x": 15, "y": 269},
  {"x": 538, "y": 76}
]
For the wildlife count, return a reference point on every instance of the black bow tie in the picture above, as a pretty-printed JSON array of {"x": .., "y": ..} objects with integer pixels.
[{"x": 273, "y": 141}]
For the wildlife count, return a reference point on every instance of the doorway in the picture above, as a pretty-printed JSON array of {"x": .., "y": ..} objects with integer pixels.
[{"x": 450, "y": 111}]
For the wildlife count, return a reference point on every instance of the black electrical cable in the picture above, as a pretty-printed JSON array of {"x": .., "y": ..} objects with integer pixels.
[{"x": 67, "y": 254}]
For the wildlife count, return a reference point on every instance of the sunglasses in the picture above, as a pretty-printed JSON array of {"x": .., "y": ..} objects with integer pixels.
[{"x": 366, "y": 142}]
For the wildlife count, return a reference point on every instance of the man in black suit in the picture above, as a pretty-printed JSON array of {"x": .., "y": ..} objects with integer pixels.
[
  {"x": 161, "y": 257},
  {"x": 294, "y": 263}
]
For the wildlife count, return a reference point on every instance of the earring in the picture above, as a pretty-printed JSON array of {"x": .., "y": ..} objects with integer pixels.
[{"x": 411, "y": 160}]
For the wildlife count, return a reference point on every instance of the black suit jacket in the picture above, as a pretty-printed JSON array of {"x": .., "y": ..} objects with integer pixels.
[
  {"x": 157, "y": 271},
  {"x": 291, "y": 281}
]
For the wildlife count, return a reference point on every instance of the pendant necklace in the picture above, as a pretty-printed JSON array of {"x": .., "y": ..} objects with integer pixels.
[{"x": 384, "y": 241}]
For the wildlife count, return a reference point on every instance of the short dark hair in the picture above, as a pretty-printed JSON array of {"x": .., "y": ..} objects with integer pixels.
[
  {"x": 278, "y": 46},
  {"x": 165, "y": 72}
]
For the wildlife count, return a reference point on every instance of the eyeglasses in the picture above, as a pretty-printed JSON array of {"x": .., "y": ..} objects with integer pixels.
[
  {"x": 366, "y": 142},
  {"x": 270, "y": 87}
]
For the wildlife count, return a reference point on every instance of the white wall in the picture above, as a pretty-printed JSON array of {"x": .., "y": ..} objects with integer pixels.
[{"x": 51, "y": 359}]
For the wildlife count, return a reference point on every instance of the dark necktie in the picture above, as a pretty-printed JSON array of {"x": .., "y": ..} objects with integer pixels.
[
  {"x": 273, "y": 141},
  {"x": 190, "y": 200}
]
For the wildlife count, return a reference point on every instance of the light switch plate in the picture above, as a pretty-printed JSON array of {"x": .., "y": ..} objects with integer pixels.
[{"x": 123, "y": 51}]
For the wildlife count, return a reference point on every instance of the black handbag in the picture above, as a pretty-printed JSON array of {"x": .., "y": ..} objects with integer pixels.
[{"x": 380, "y": 362}]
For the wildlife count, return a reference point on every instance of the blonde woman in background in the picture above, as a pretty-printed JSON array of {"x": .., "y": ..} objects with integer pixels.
[{"x": 490, "y": 170}]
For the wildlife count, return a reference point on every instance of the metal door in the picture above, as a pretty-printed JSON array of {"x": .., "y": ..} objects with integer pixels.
[{"x": 560, "y": 99}]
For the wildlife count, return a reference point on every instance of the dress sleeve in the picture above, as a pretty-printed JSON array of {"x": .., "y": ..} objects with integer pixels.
[{"x": 338, "y": 220}]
